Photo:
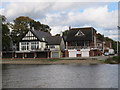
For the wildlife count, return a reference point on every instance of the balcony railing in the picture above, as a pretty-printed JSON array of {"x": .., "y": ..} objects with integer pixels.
[
  {"x": 81, "y": 47},
  {"x": 77, "y": 47}
]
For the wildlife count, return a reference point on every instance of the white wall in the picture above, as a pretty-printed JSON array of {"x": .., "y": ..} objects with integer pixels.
[
  {"x": 19, "y": 46},
  {"x": 85, "y": 52},
  {"x": 62, "y": 44},
  {"x": 42, "y": 45},
  {"x": 72, "y": 53}
]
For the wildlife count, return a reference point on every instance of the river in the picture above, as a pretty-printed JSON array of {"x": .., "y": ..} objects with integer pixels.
[{"x": 60, "y": 76}]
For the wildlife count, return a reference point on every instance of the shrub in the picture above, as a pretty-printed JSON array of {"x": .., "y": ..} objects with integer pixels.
[{"x": 113, "y": 60}]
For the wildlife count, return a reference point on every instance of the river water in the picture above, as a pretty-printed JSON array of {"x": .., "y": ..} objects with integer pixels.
[{"x": 60, "y": 76}]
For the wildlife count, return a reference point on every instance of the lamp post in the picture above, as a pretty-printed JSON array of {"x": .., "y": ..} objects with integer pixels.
[{"x": 118, "y": 40}]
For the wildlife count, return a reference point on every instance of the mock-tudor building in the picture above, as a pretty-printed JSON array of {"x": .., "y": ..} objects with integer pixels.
[
  {"x": 83, "y": 42},
  {"x": 40, "y": 44}
]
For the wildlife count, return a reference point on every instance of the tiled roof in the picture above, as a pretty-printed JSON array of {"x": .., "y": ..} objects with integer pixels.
[
  {"x": 87, "y": 34},
  {"x": 54, "y": 40},
  {"x": 40, "y": 34}
]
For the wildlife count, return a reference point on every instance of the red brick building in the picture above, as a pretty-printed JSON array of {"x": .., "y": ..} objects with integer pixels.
[{"x": 84, "y": 42}]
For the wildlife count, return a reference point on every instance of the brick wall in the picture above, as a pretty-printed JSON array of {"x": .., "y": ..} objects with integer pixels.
[{"x": 66, "y": 53}]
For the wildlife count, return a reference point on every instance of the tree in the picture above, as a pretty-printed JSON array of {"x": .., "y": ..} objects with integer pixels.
[
  {"x": 6, "y": 40},
  {"x": 114, "y": 43},
  {"x": 3, "y": 18},
  {"x": 100, "y": 37},
  {"x": 22, "y": 24},
  {"x": 38, "y": 26},
  {"x": 20, "y": 27},
  {"x": 65, "y": 32}
]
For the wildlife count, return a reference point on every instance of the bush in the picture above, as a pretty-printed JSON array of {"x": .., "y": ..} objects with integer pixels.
[{"x": 113, "y": 60}]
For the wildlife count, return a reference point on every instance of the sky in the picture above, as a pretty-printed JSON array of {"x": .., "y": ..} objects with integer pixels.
[{"x": 103, "y": 16}]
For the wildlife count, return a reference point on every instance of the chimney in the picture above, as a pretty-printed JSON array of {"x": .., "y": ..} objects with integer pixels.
[
  {"x": 69, "y": 27},
  {"x": 28, "y": 26},
  {"x": 61, "y": 33},
  {"x": 33, "y": 28}
]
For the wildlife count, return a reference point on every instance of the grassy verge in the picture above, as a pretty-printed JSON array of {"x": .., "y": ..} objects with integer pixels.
[
  {"x": 113, "y": 60},
  {"x": 53, "y": 59}
]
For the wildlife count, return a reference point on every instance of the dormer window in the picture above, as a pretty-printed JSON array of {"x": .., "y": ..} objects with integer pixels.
[
  {"x": 79, "y": 33},
  {"x": 43, "y": 39}
]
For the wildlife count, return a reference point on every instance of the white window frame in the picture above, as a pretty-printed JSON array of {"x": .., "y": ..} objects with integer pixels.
[
  {"x": 25, "y": 45},
  {"x": 35, "y": 45}
]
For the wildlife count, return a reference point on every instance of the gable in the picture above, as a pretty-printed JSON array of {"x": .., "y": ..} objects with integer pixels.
[
  {"x": 29, "y": 36},
  {"x": 79, "y": 33}
]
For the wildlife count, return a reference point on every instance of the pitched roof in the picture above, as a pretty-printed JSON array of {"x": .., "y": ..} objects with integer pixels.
[
  {"x": 87, "y": 34},
  {"x": 41, "y": 34},
  {"x": 54, "y": 40}
]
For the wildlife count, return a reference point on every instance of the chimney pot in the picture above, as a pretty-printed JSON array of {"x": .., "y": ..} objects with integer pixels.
[
  {"x": 69, "y": 27},
  {"x": 33, "y": 28}
]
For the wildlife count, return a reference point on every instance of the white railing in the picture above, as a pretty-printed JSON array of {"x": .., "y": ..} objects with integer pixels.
[
  {"x": 81, "y": 47},
  {"x": 77, "y": 47}
]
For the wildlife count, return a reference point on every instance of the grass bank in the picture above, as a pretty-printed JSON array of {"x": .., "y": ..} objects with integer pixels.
[
  {"x": 51, "y": 61},
  {"x": 113, "y": 60},
  {"x": 90, "y": 60}
]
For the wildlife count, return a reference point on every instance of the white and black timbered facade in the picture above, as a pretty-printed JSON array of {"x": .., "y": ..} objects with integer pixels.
[
  {"x": 33, "y": 40},
  {"x": 39, "y": 44}
]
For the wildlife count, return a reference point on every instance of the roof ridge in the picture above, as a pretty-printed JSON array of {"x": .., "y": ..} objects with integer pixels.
[{"x": 81, "y": 28}]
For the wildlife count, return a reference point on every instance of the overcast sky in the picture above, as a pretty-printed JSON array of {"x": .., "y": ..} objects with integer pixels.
[{"x": 103, "y": 16}]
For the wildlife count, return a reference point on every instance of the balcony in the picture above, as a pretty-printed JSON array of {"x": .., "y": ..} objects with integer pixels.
[
  {"x": 82, "y": 47},
  {"x": 53, "y": 49},
  {"x": 78, "y": 47}
]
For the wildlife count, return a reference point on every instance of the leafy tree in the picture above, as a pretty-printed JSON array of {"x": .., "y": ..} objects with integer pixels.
[
  {"x": 100, "y": 37},
  {"x": 114, "y": 43},
  {"x": 3, "y": 18},
  {"x": 65, "y": 35},
  {"x": 65, "y": 32},
  {"x": 22, "y": 24},
  {"x": 38, "y": 26},
  {"x": 6, "y": 40},
  {"x": 20, "y": 27}
]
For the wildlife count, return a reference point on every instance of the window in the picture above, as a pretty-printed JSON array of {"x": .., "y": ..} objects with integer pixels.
[
  {"x": 52, "y": 46},
  {"x": 34, "y": 45},
  {"x": 24, "y": 46}
]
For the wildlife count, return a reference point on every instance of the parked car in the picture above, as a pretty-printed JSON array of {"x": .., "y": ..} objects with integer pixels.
[
  {"x": 106, "y": 54},
  {"x": 111, "y": 52}
]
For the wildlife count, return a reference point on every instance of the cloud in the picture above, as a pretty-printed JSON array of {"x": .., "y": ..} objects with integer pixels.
[
  {"x": 34, "y": 10},
  {"x": 58, "y": 29},
  {"x": 61, "y": 1},
  {"x": 2, "y": 11},
  {"x": 60, "y": 15},
  {"x": 96, "y": 17},
  {"x": 40, "y": 9}
]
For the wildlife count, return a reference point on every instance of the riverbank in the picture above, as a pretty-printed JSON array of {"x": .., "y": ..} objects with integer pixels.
[
  {"x": 52, "y": 61},
  {"x": 78, "y": 60}
]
